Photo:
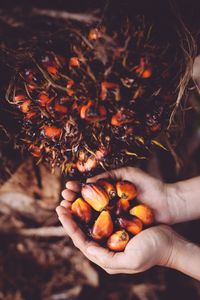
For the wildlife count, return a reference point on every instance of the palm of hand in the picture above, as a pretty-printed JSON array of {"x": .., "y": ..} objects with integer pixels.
[{"x": 148, "y": 248}]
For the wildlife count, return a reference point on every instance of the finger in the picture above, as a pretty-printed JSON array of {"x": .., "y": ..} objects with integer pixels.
[
  {"x": 65, "y": 204},
  {"x": 69, "y": 195},
  {"x": 76, "y": 234},
  {"x": 70, "y": 226},
  {"x": 98, "y": 255},
  {"x": 74, "y": 186}
]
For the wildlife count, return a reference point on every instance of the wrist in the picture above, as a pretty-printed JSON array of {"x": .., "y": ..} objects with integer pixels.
[
  {"x": 184, "y": 257},
  {"x": 173, "y": 202}
]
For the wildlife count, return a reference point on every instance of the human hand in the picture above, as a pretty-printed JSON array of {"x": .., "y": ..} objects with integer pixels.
[
  {"x": 150, "y": 247},
  {"x": 150, "y": 191},
  {"x": 158, "y": 245}
]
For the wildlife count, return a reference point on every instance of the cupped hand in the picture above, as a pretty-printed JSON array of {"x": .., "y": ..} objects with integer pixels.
[{"x": 150, "y": 247}]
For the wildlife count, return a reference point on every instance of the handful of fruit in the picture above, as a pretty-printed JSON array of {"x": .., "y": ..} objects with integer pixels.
[{"x": 110, "y": 214}]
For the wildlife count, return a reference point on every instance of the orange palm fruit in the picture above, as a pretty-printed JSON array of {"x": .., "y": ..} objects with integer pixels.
[
  {"x": 82, "y": 210},
  {"x": 51, "y": 131},
  {"x": 133, "y": 225},
  {"x": 143, "y": 212},
  {"x": 103, "y": 226},
  {"x": 60, "y": 108},
  {"x": 118, "y": 240},
  {"x": 122, "y": 117},
  {"x": 52, "y": 70},
  {"x": 44, "y": 100},
  {"x": 94, "y": 34},
  {"x": 25, "y": 106},
  {"x": 74, "y": 62},
  {"x": 110, "y": 189},
  {"x": 95, "y": 196},
  {"x": 126, "y": 190}
]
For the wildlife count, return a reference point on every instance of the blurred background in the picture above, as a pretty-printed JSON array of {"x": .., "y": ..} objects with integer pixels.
[{"x": 37, "y": 260}]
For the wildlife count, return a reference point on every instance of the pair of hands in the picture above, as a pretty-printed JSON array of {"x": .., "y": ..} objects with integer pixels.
[{"x": 153, "y": 246}]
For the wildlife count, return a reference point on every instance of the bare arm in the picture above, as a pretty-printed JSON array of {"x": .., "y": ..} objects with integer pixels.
[
  {"x": 185, "y": 257},
  {"x": 184, "y": 200}
]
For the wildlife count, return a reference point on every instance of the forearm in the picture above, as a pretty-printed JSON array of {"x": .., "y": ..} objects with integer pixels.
[
  {"x": 184, "y": 200},
  {"x": 185, "y": 257}
]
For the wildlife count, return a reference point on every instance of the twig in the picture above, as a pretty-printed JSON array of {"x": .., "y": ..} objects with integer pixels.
[{"x": 87, "y": 18}]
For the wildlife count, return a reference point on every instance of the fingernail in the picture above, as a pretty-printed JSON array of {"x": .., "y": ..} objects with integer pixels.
[{"x": 63, "y": 193}]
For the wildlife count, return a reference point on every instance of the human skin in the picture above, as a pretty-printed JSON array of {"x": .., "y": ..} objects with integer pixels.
[{"x": 158, "y": 245}]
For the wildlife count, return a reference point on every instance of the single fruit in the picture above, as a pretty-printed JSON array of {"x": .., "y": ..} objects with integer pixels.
[
  {"x": 110, "y": 189},
  {"x": 118, "y": 240},
  {"x": 126, "y": 190},
  {"x": 133, "y": 225},
  {"x": 103, "y": 226},
  {"x": 122, "y": 117},
  {"x": 95, "y": 196},
  {"x": 144, "y": 213},
  {"x": 51, "y": 131},
  {"x": 82, "y": 210}
]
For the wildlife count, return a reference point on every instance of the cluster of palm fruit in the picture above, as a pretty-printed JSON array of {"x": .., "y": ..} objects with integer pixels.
[
  {"x": 110, "y": 214},
  {"x": 99, "y": 103}
]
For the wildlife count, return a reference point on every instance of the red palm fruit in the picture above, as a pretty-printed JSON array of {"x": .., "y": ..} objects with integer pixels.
[
  {"x": 74, "y": 62},
  {"x": 110, "y": 189},
  {"x": 51, "y": 131},
  {"x": 95, "y": 196},
  {"x": 82, "y": 210},
  {"x": 103, "y": 226},
  {"x": 123, "y": 205},
  {"x": 122, "y": 117},
  {"x": 60, "y": 108},
  {"x": 52, "y": 70},
  {"x": 144, "y": 213},
  {"x": 133, "y": 225},
  {"x": 44, "y": 100},
  {"x": 35, "y": 150},
  {"x": 126, "y": 190},
  {"x": 118, "y": 240}
]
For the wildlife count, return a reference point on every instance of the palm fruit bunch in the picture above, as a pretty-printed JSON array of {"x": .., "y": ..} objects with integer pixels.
[
  {"x": 109, "y": 213},
  {"x": 93, "y": 95}
]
